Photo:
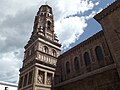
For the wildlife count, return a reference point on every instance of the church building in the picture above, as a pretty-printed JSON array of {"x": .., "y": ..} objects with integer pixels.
[{"x": 94, "y": 64}]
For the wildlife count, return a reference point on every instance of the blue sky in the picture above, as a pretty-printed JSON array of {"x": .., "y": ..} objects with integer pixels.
[
  {"x": 93, "y": 26},
  {"x": 73, "y": 23}
]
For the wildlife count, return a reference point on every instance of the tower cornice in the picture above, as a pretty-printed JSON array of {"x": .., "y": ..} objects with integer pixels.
[{"x": 41, "y": 38}]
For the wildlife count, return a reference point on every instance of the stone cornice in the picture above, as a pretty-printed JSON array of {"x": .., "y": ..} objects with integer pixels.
[
  {"x": 42, "y": 37},
  {"x": 107, "y": 11},
  {"x": 38, "y": 63}
]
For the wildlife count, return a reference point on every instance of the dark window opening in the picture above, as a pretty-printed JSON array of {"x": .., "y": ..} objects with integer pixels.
[
  {"x": 49, "y": 24},
  {"x": 46, "y": 49},
  {"x": 30, "y": 77},
  {"x": 45, "y": 14},
  {"x": 25, "y": 80},
  {"x": 76, "y": 64},
  {"x": 87, "y": 58},
  {"x": 41, "y": 14},
  {"x": 67, "y": 67},
  {"x": 50, "y": 11},
  {"x": 54, "y": 53},
  {"x": 99, "y": 53}
]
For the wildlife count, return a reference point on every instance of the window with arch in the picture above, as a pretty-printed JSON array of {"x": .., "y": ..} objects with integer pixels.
[
  {"x": 67, "y": 67},
  {"x": 41, "y": 14},
  {"x": 45, "y": 14},
  {"x": 45, "y": 49},
  {"x": 49, "y": 24},
  {"x": 99, "y": 53},
  {"x": 87, "y": 58},
  {"x": 54, "y": 53},
  {"x": 76, "y": 64}
]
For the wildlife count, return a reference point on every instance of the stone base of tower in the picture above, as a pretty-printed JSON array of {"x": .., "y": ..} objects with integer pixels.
[{"x": 42, "y": 77}]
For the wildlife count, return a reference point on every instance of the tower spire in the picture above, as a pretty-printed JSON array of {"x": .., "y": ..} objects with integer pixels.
[{"x": 46, "y": 3}]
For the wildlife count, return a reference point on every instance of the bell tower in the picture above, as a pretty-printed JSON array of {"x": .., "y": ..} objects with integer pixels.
[
  {"x": 44, "y": 23},
  {"x": 40, "y": 54}
]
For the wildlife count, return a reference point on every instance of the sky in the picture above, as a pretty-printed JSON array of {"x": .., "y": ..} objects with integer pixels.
[{"x": 73, "y": 23}]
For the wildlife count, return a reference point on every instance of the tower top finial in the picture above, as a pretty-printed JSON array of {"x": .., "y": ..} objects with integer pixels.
[{"x": 46, "y": 2}]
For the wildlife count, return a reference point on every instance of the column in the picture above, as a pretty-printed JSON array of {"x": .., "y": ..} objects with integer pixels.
[{"x": 45, "y": 78}]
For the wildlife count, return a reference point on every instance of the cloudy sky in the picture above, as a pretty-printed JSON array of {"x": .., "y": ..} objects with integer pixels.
[{"x": 73, "y": 23}]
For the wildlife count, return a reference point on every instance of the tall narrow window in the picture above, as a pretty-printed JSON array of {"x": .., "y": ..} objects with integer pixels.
[
  {"x": 87, "y": 58},
  {"x": 45, "y": 49},
  {"x": 45, "y": 14},
  {"x": 99, "y": 53},
  {"x": 49, "y": 24},
  {"x": 25, "y": 80},
  {"x": 30, "y": 77},
  {"x": 54, "y": 53},
  {"x": 76, "y": 64},
  {"x": 67, "y": 67}
]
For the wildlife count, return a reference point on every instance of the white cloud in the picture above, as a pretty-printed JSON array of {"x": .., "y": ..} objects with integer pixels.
[
  {"x": 16, "y": 27},
  {"x": 75, "y": 27},
  {"x": 69, "y": 29},
  {"x": 9, "y": 66},
  {"x": 69, "y": 7}
]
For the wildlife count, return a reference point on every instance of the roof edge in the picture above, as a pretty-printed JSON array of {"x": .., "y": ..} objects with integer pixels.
[{"x": 107, "y": 11}]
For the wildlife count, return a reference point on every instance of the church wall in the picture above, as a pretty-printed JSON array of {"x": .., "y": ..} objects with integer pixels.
[
  {"x": 108, "y": 80},
  {"x": 110, "y": 21},
  {"x": 79, "y": 51}
]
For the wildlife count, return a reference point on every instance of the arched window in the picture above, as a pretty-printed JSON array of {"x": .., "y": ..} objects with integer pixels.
[
  {"x": 45, "y": 49},
  {"x": 87, "y": 58},
  {"x": 67, "y": 67},
  {"x": 99, "y": 53},
  {"x": 45, "y": 14},
  {"x": 41, "y": 14},
  {"x": 49, "y": 24},
  {"x": 54, "y": 53},
  {"x": 76, "y": 64}
]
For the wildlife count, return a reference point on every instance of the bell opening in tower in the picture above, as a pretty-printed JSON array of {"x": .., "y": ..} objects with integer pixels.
[{"x": 49, "y": 24}]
